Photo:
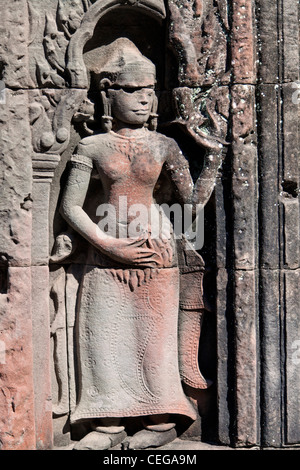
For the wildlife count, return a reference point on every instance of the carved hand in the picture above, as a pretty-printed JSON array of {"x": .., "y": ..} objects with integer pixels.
[{"x": 132, "y": 251}]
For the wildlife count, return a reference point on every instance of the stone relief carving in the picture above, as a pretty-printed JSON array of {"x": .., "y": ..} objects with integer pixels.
[
  {"x": 52, "y": 68},
  {"x": 133, "y": 284},
  {"x": 59, "y": 26},
  {"x": 69, "y": 15},
  {"x": 202, "y": 112},
  {"x": 251, "y": 250},
  {"x": 51, "y": 113}
]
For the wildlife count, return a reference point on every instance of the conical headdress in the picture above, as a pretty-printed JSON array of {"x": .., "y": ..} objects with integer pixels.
[{"x": 119, "y": 60}]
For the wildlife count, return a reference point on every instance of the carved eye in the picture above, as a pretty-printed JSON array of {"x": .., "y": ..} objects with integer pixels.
[{"x": 129, "y": 90}]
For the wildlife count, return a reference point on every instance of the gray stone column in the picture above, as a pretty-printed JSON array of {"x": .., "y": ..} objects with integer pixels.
[
  {"x": 279, "y": 221},
  {"x": 43, "y": 171},
  {"x": 237, "y": 247}
]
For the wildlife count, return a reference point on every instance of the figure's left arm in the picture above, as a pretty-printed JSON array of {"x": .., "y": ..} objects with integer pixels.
[{"x": 195, "y": 193}]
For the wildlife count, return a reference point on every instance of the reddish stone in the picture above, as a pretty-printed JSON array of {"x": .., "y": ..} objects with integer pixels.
[
  {"x": 17, "y": 427},
  {"x": 243, "y": 42}
]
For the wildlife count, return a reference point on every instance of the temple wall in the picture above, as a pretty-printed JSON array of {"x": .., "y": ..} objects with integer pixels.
[{"x": 239, "y": 58}]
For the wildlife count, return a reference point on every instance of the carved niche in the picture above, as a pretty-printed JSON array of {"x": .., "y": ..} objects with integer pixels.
[{"x": 188, "y": 44}]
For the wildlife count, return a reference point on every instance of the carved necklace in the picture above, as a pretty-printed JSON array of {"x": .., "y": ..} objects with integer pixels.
[{"x": 131, "y": 147}]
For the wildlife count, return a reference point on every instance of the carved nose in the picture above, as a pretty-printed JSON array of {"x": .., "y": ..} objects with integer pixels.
[{"x": 144, "y": 99}]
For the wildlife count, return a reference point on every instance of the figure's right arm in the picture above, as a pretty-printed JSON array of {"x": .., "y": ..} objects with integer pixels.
[{"x": 75, "y": 194}]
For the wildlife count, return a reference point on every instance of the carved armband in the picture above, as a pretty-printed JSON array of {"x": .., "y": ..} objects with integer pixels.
[
  {"x": 82, "y": 162},
  {"x": 177, "y": 168}
]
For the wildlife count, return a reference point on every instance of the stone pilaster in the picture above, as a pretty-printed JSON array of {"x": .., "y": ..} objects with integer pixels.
[{"x": 43, "y": 171}]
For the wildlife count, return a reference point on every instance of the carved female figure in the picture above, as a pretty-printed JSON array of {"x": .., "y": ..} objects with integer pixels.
[{"x": 127, "y": 318}]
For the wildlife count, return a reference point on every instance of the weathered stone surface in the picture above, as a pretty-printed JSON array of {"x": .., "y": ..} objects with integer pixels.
[
  {"x": 243, "y": 48},
  {"x": 268, "y": 176},
  {"x": 245, "y": 241},
  {"x": 244, "y": 117},
  {"x": 246, "y": 357},
  {"x": 269, "y": 37},
  {"x": 279, "y": 209},
  {"x": 290, "y": 252},
  {"x": 47, "y": 45},
  {"x": 14, "y": 57},
  {"x": 292, "y": 302},
  {"x": 16, "y": 184},
  {"x": 290, "y": 31},
  {"x": 244, "y": 176},
  {"x": 224, "y": 358},
  {"x": 226, "y": 71},
  {"x": 17, "y": 429},
  {"x": 206, "y": 23},
  {"x": 41, "y": 356},
  {"x": 245, "y": 219},
  {"x": 271, "y": 379},
  {"x": 17, "y": 426},
  {"x": 290, "y": 128}
]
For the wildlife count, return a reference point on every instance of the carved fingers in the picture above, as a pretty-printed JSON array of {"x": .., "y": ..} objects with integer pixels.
[{"x": 139, "y": 252}]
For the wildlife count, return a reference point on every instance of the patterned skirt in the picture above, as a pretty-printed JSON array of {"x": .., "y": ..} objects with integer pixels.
[{"x": 126, "y": 336}]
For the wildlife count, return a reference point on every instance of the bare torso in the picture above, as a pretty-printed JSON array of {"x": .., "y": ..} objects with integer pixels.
[{"x": 129, "y": 167}]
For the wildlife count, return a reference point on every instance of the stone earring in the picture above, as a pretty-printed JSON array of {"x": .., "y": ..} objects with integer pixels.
[
  {"x": 106, "y": 120},
  {"x": 153, "y": 115}
]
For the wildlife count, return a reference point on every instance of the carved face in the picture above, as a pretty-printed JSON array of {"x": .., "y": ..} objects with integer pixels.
[
  {"x": 131, "y": 96},
  {"x": 132, "y": 105}
]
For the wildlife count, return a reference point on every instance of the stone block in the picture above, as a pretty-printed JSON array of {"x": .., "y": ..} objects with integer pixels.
[
  {"x": 225, "y": 358},
  {"x": 268, "y": 40},
  {"x": 41, "y": 356},
  {"x": 271, "y": 350},
  {"x": 243, "y": 49},
  {"x": 243, "y": 113},
  {"x": 16, "y": 179},
  {"x": 245, "y": 223},
  {"x": 290, "y": 31},
  {"x": 292, "y": 306},
  {"x": 291, "y": 232},
  {"x": 222, "y": 234},
  {"x": 269, "y": 161},
  {"x": 290, "y": 128},
  {"x": 17, "y": 426},
  {"x": 14, "y": 44},
  {"x": 246, "y": 361}
]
